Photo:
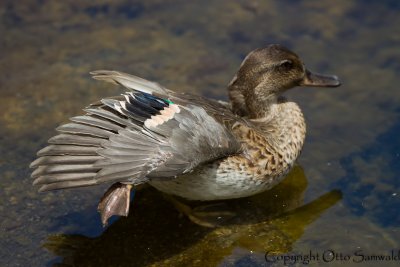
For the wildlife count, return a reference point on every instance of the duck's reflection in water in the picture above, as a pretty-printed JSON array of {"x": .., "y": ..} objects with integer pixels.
[{"x": 156, "y": 234}]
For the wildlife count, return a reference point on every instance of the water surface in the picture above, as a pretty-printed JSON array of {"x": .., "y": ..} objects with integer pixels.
[{"x": 344, "y": 197}]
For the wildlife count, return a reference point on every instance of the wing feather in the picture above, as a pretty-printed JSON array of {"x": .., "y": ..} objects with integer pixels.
[{"x": 135, "y": 137}]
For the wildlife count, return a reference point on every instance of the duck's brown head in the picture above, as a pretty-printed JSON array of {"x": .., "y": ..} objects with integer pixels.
[{"x": 267, "y": 72}]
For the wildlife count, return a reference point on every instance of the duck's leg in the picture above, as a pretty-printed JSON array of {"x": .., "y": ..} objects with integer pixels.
[
  {"x": 207, "y": 215},
  {"x": 115, "y": 201}
]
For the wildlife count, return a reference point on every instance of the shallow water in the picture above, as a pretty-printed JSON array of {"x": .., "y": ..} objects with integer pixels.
[{"x": 345, "y": 196}]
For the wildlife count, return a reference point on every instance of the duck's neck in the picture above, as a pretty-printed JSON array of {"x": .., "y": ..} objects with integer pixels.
[
  {"x": 261, "y": 106},
  {"x": 252, "y": 101},
  {"x": 237, "y": 98}
]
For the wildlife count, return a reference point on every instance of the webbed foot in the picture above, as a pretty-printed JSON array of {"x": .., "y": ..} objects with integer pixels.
[{"x": 115, "y": 201}]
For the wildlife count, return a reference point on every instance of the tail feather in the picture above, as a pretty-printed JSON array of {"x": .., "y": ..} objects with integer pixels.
[
  {"x": 97, "y": 122},
  {"x": 142, "y": 137},
  {"x": 58, "y": 150},
  {"x": 115, "y": 163},
  {"x": 62, "y": 177},
  {"x": 103, "y": 145},
  {"x": 73, "y": 168},
  {"x": 128, "y": 81},
  {"x": 121, "y": 167},
  {"x": 67, "y": 184},
  {"x": 74, "y": 139},
  {"x": 77, "y": 128},
  {"x": 52, "y": 160},
  {"x": 140, "y": 148},
  {"x": 122, "y": 176},
  {"x": 109, "y": 114}
]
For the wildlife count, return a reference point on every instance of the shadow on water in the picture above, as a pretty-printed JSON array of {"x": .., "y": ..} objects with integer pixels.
[{"x": 156, "y": 234}]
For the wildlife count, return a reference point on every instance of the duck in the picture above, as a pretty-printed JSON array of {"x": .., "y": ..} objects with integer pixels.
[{"x": 182, "y": 144}]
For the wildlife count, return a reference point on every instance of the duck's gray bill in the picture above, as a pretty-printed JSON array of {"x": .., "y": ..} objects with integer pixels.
[{"x": 320, "y": 80}]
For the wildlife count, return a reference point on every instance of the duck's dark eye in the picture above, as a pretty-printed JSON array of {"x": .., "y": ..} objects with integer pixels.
[{"x": 286, "y": 64}]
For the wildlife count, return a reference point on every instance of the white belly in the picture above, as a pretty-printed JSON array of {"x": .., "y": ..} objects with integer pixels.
[{"x": 209, "y": 183}]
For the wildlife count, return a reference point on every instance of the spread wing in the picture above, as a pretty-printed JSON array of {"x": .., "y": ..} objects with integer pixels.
[{"x": 149, "y": 132}]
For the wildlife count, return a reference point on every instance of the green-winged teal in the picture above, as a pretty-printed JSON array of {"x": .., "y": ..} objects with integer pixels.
[{"x": 182, "y": 144}]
